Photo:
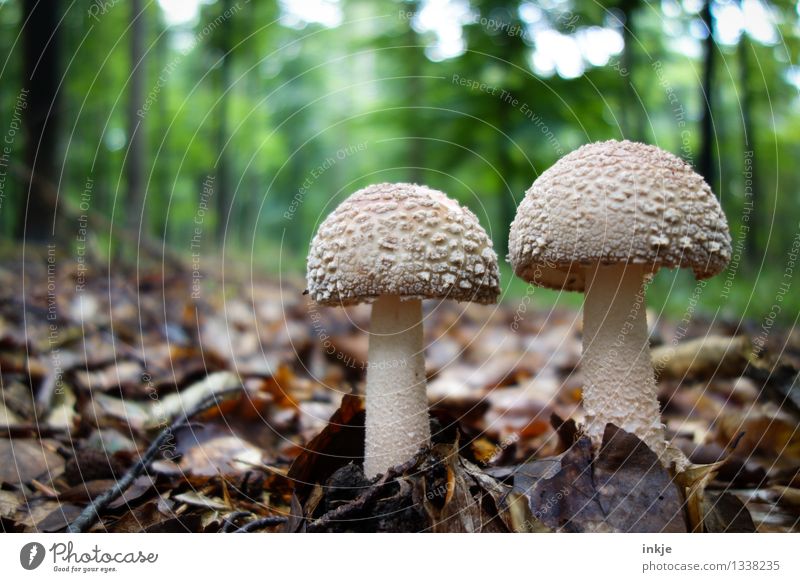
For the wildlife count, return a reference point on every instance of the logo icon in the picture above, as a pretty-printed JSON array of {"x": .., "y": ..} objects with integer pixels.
[{"x": 31, "y": 555}]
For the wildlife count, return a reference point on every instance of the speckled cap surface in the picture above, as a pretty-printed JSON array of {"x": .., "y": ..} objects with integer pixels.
[
  {"x": 612, "y": 202},
  {"x": 401, "y": 239}
]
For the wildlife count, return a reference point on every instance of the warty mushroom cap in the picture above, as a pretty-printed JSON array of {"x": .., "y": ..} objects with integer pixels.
[
  {"x": 611, "y": 202},
  {"x": 401, "y": 239}
]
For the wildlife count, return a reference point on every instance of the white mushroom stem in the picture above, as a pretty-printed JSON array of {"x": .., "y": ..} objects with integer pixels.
[
  {"x": 397, "y": 422},
  {"x": 619, "y": 384}
]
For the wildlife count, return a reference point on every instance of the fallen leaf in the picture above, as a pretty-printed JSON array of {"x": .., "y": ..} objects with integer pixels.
[
  {"x": 624, "y": 489},
  {"x": 22, "y": 460},
  {"x": 200, "y": 500}
]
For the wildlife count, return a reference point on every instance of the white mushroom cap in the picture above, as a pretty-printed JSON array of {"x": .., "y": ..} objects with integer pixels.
[
  {"x": 401, "y": 239},
  {"x": 611, "y": 202}
]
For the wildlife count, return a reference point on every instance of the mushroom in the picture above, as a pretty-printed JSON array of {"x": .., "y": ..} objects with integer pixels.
[
  {"x": 603, "y": 220},
  {"x": 393, "y": 245}
]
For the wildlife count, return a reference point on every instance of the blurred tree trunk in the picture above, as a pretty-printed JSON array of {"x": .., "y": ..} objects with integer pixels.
[
  {"x": 223, "y": 194},
  {"x": 749, "y": 156},
  {"x": 160, "y": 143},
  {"x": 706, "y": 165},
  {"x": 253, "y": 179},
  {"x": 512, "y": 49},
  {"x": 415, "y": 100},
  {"x": 40, "y": 46},
  {"x": 505, "y": 169},
  {"x": 134, "y": 167},
  {"x": 631, "y": 115}
]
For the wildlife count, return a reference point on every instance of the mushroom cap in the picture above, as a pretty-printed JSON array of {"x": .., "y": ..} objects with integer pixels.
[
  {"x": 612, "y": 202},
  {"x": 401, "y": 239}
]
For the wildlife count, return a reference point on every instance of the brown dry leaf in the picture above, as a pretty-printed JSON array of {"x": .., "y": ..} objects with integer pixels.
[
  {"x": 766, "y": 513},
  {"x": 139, "y": 488},
  {"x": 694, "y": 479},
  {"x": 706, "y": 357},
  {"x": 7, "y": 417},
  {"x": 148, "y": 518},
  {"x": 767, "y": 432},
  {"x": 287, "y": 390},
  {"x": 9, "y": 503},
  {"x": 520, "y": 517},
  {"x": 723, "y": 512},
  {"x": 351, "y": 349},
  {"x": 788, "y": 495},
  {"x": 103, "y": 409},
  {"x": 455, "y": 386},
  {"x": 46, "y": 515},
  {"x": 341, "y": 442},
  {"x": 174, "y": 405},
  {"x": 18, "y": 398},
  {"x": 441, "y": 353},
  {"x": 199, "y": 500},
  {"x": 238, "y": 347},
  {"x": 97, "y": 351},
  {"x": 623, "y": 489},
  {"x": 86, "y": 491},
  {"x": 19, "y": 363},
  {"x": 22, "y": 460},
  {"x": 62, "y": 413},
  {"x": 523, "y": 409},
  {"x": 171, "y": 364},
  {"x": 207, "y": 455},
  {"x": 119, "y": 374},
  {"x": 110, "y": 441}
]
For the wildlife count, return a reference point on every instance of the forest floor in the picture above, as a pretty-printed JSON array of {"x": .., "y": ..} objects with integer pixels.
[{"x": 97, "y": 368}]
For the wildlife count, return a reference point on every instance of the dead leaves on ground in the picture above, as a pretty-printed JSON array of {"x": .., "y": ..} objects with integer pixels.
[{"x": 127, "y": 357}]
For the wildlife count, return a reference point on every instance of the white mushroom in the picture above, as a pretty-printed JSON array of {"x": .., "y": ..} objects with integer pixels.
[
  {"x": 602, "y": 220},
  {"x": 394, "y": 245}
]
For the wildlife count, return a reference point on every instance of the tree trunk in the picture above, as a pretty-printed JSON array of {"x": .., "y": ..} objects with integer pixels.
[
  {"x": 415, "y": 99},
  {"x": 134, "y": 167},
  {"x": 163, "y": 166},
  {"x": 752, "y": 203},
  {"x": 38, "y": 111},
  {"x": 511, "y": 50},
  {"x": 706, "y": 165},
  {"x": 631, "y": 117},
  {"x": 223, "y": 194}
]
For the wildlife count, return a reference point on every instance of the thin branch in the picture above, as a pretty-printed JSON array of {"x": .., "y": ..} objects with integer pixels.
[
  {"x": 257, "y": 524},
  {"x": 230, "y": 521}
]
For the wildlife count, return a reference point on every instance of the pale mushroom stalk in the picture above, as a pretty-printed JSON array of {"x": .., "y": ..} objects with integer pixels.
[
  {"x": 397, "y": 424},
  {"x": 619, "y": 385}
]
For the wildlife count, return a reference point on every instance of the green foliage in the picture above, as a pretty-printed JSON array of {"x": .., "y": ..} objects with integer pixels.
[{"x": 312, "y": 113}]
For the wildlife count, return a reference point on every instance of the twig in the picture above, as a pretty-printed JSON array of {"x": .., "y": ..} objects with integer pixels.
[
  {"x": 229, "y": 521},
  {"x": 22, "y": 430},
  {"x": 257, "y": 524},
  {"x": 92, "y": 512},
  {"x": 344, "y": 511}
]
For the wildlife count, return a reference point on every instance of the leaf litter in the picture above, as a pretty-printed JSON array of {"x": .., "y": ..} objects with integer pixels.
[{"x": 279, "y": 450}]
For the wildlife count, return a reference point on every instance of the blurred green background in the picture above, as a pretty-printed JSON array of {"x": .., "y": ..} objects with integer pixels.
[{"x": 233, "y": 127}]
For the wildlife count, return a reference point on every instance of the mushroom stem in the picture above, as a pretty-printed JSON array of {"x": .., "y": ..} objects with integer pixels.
[
  {"x": 397, "y": 406},
  {"x": 619, "y": 385}
]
